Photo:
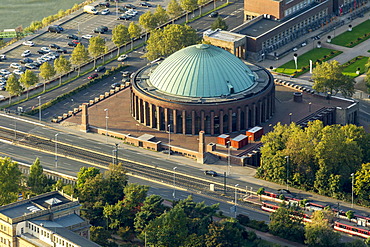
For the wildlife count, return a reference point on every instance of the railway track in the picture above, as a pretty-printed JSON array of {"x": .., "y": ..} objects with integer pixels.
[{"x": 146, "y": 171}]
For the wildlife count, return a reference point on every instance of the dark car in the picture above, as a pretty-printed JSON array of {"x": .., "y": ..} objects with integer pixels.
[
  {"x": 62, "y": 50},
  {"x": 71, "y": 44},
  {"x": 101, "y": 29},
  {"x": 2, "y": 57},
  {"x": 30, "y": 66},
  {"x": 36, "y": 64},
  {"x": 42, "y": 52},
  {"x": 72, "y": 36},
  {"x": 105, "y": 28},
  {"x": 92, "y": 76},
  {"x": 213, "y": 14},
  {"x": 145, "y": 4},
  {"x": 114, "y": 85},
  {"x": 130, "y": 6},
  {"x": 124, "y": 17},
  {"x": 104, "y": 5},
  {"x": 55, "y": 29},
  {"x": 54, "y": 46},
  {"x": 122, "y": 9},
  {"x": 211, "y": 173},
  {"x": 100, "y": 69},
  {"x": 26, "y": 60}
]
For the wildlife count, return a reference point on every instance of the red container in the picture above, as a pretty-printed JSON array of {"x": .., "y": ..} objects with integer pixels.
[
  {"x": 223, "y": 139},
  {"x": 239, "y": 141},
  {"x": 254, "y": 133}
]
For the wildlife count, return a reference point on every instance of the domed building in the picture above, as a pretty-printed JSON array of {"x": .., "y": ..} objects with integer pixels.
[{"x": 202, "y": 87}]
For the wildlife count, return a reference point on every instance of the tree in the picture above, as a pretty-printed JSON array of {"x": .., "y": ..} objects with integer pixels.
[
  {"x": 10, "y": 179},
  {"x": 120, "y": 35},
  {"x": 13, "y": 87},
  {"x": 328, "y": 78},
  {"x": 174, "y": 9},
  {"x": 189, "y": 6},
  {"x": 97, "y": 47},
  {"x": 134, "y": 30},
  {"x": 151, "y": 209},
  {"x": 37, "y": 180},
  {"x": 219, "y": 23},
  {"x": 47, "y": 71},
  {"x": 62, "y": 66},
  {"x": 283, "y": 225},
  {"x": 169, "y": 40},
  {"x": 367, "y": 76},
  {"x": 362, "y": 182},
  {"x": 148, "y": 21},
  {"x": 79, "y": 56},
  {"x": 227, "y": 232},
  {"x": 160, "y": 15},
  {"x": 100, "y": 236},
  {"x": 28, "y": 79},
  {"x": 319, "y": 232},
  {"x": 85, "y": 174}
]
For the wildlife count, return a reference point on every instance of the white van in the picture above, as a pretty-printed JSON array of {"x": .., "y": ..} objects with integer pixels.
[{"x": 90, "y": 9}]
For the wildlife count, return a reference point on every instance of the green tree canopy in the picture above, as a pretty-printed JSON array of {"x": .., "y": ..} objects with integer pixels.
[
  {"x": 160, "y": 15},
  {"x": 47, "y": 71},
  {"x": 28, "y": 79},
  {"x": 86, "y": 173},
  {"x": 219, "y": 23},
  {"x": 319, "y": 233},
  {"x": 10, "y": 179},
  {"x": 148, "y": 21},
  {"x": 152, "y": 208},
  {"x": 169, "y": 40},
  {"x": 189, "y": 5},
  {"x": 79, "y": 56},
  {"x": 120, "y": 35},
  {"x": 174, "y": 9},
  {"x": 328, "y": 78},
  {"x": 36, "y": 179},
  {"x": 62, "y": 66},
  {"x": 97, "y": 47},
  {"x": 134, "y": 30},
  {"x": 227, "y": 232},
  {"x": 13, "y": 86}
]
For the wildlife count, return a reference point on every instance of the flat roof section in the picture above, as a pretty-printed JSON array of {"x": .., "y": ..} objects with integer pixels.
[
  {"x": 19, "y": 210},
  {"x": 260, "y": 27},
  {"x": 224, "y": 35},
  {"x": 73, "y": 237}
]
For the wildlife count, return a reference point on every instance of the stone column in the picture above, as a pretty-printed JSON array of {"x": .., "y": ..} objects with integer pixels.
[
  {"x": 253, "y": 115},
  {"x": 238, "y": 119},
  {"x": 166, "y": 120},
  {"x": 221, "y": 121},
  {"x": 201, "y": 148},
  {"x": 202, "y": 121},
  {"x": 184, "y": 122},
  {"x": 85, "y": 118},
  {"x": 140, "y": 111},
  {"x": 159, "y": 118},
  {"x": 193, "y": 122},
  {"x": 145, "y": 112},
  {"x": 151, "y": 116},
  {"x": 230, "y": 122},
  {"x": 246, "y": 117},
  {"x": 174, "y": 115},
  {"x": 212, "y": 122}
]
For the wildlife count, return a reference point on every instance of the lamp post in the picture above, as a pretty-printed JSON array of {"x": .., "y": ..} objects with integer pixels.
[
  {"x": 39, "y": 97},
  {"x": 270, "y": 127},
  {"x": 309, "y": 106},
  {"x": 174, "y": 183},
  {"x": 290, "y": 117},
  {"x": 295, "y": 57},
  {"x": 287, "y": 173},
  {"x": 353, "y": 176},
  {"x": 169, "y": 140},
  {"x": 106, "y": 123},
  {"x": 228, "y": 157},
  {"x": 328, "y": 96},
  {"x": 236, "y": 195},
  {"x": 56, "y": 150}
]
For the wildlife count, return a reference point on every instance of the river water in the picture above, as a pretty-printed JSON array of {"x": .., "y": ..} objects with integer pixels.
[{"x": 14, "y": 13}]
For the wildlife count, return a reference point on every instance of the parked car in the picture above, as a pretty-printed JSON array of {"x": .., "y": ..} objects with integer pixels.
[
  {"x": 46, "y": 49},
  {"x": 28, "y": 43},
  {"x": 18, "y": 72},
  {"x": 26, "y": 60},
  {"x": 55, "y": 29},
  {"x": 2, "y": 57},
  {"x": 54, "y": 54},
  {"x": 100, "y": 69},
  {"x": 15, "y": 66},
  {"x": 104, "y": 4},
  {"x": 122, "y": 9},
  {"x": 124, "y": 17},
  {"x": 99, "y": 30},
  {"x": 71, "y": 44},
  {"x": 26, "y": 53},
  {"x": 41, "y": 60},
  {"x": 42, "y": 52},
  {"x": 105, "y": 12},
  {"x": 62, "y": 50},
  {"x": 122, "y": 57},
  {"x": 30, "y": 66},
  {"x": 54, "y": 46},
  {"x": 130, "y": 6},
  {"x": 86, "y": 36},
  {"x": 131, "y": 12},
  {"x": 114, "y": 85},
  {"x": 36, "y": 64},
  {"x": 4, "y": 71},
  {"x": 72, "y": 36},
  {"x": 213, "y": 14},
  {"x": 126, "y": 73},
  {"x": 145, "y": 4},
  {"x": 211, "y": 173},
  {"x": 92, "y": 76}
]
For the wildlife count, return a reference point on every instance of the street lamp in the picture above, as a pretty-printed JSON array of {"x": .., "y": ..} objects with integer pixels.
[
  {"x": 270, "y": 127},
  {"x": 328, "y": 97},
  {"x": 106, "y": 123},
  {"x": 228, "y": 157},
  {"x": 295, "y": 57},
  {"x": 236, "y": 185},
  {"x": 352, "y": 175},
  {"x": 56, "y": 150},
  {"x": 309, "y": 106},
  {"x": 39, "y": 97},
  {"x": 287, "y": 169},
  {"x": 169, "y": 140},
  {"x": 290, "y": 117},
  {"x": 174, "y": 183}
]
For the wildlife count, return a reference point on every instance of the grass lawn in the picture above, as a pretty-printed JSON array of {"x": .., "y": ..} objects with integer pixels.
[
  {"x": 322, "y": 54},
  {"x": 359, "y": 63},
  {"x": 358, "y": 34}
]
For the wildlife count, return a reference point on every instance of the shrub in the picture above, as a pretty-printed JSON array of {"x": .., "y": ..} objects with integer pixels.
[{"x": 243, "y": 219}]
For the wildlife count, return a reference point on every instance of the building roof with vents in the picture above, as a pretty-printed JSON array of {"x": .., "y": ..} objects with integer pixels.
[{"x": 202, "y": 71}]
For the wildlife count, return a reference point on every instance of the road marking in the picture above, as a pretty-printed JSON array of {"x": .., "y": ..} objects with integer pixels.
[{"x": 21, "y": 119}]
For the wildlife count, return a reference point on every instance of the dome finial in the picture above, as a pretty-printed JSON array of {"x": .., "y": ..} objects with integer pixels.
[{"x": 202, "y": 46}]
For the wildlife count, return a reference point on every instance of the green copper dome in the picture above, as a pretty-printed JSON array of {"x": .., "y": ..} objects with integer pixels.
[{"x": 202, "y": 71}]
